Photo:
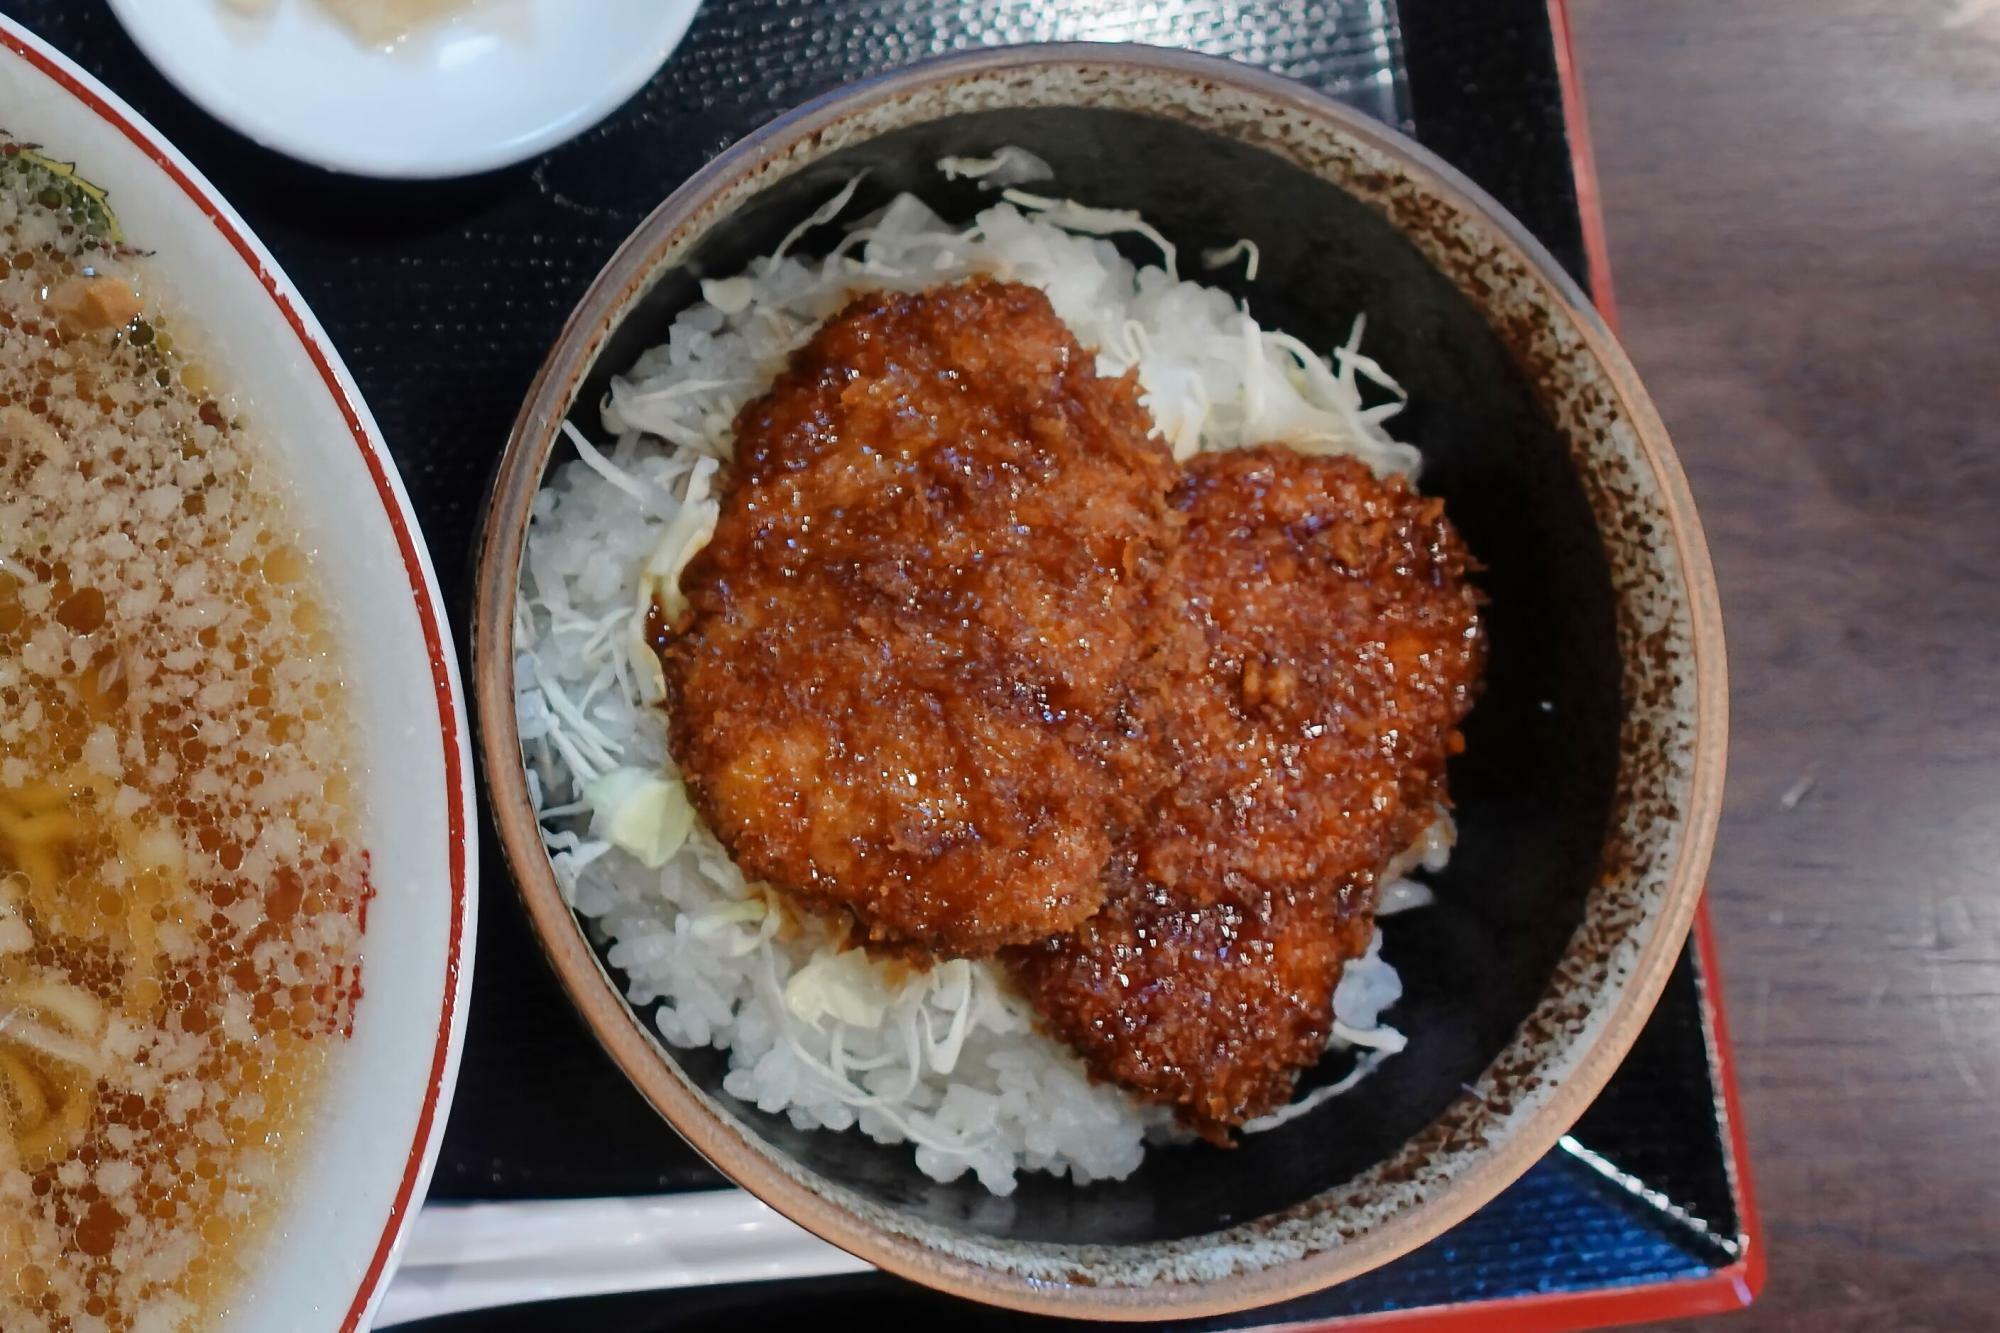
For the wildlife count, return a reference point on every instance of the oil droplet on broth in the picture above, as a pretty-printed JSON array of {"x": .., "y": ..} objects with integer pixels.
[{"x": 180, "y": 882}]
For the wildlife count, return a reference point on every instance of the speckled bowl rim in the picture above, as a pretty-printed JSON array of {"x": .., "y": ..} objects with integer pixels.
[{"x": 1312, "y": 1245}]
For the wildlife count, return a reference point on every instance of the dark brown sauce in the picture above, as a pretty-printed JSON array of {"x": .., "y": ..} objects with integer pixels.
[
  {"x": 968, "y": 658},
  {"x": 1328, "y": 649},
  {"x": 904, "y": 683}
]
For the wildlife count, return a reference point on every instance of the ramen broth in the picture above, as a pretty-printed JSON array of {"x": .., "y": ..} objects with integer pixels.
[{"x": 181, "y": 889}]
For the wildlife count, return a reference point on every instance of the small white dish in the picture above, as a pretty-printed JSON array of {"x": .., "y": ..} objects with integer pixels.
[
  {"x": 495, "y": 84},
  {"x": 322, "y": 1266}
]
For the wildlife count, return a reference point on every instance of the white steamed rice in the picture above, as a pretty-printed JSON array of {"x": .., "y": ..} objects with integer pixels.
[{"x": 947, "y": 1061}]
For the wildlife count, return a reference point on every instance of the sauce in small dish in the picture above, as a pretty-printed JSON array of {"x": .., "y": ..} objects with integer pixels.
[
  {"x": 374, "y": 22},
  {"x": 412, "y": 89}
]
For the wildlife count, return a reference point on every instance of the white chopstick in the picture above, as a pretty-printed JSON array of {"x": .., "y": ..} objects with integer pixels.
[{"x": 483, "y": 1255}]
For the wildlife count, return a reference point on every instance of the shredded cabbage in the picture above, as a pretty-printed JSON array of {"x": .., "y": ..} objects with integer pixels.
[
  {"x": 1245, "y": 250},
  {"x": 1009, "y": 165},
  {"x": 684, "y": 537},
  {"x": 1209, "y": 373},
  {"x": 641, "y": 813},
  {"x": 841, "y": 984},
  {"x": 1072, "y": 216}
]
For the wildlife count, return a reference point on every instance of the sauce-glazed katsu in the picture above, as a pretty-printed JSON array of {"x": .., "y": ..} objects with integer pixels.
[{"x": 973, "y": 661}]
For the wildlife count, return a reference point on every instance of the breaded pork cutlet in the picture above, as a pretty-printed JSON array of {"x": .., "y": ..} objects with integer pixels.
[
  {"x": 1331, "y": 648},
  {"x": 905, "y": 681}
]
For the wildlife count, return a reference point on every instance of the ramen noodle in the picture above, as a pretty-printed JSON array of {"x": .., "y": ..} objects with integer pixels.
[{"x": 181, "y": 889}]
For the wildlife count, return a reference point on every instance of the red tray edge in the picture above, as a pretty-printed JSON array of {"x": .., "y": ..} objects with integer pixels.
[{"x": 1726, "y": 1289}]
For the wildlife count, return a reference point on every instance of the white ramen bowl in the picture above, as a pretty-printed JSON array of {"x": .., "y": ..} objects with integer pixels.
[{"x": 362, "y": 1171}]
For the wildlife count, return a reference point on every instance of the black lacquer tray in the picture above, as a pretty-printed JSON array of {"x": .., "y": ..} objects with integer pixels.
[{"x": 443, "y": 299}]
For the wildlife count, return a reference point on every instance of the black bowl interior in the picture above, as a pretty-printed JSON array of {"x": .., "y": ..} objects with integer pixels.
[{"x": 1533, "y": 789}]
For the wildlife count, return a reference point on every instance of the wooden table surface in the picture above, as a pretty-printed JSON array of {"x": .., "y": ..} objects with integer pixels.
[{"x": 1803, "y": 206}]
